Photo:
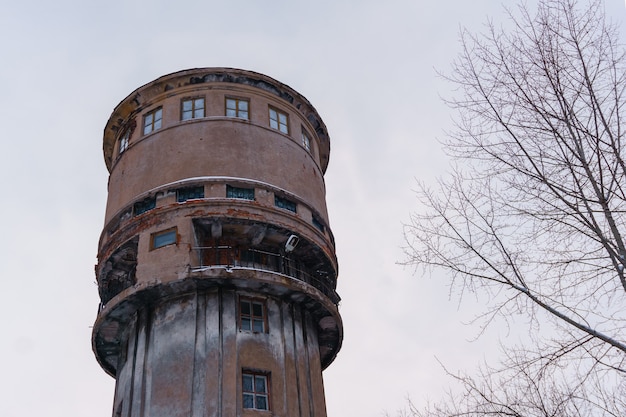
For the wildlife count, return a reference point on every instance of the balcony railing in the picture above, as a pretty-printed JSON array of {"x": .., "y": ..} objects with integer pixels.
[{"x": 229, "y": 256}]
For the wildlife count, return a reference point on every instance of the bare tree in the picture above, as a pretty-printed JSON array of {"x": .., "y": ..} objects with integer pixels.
[{"x": 534, "y": 215}]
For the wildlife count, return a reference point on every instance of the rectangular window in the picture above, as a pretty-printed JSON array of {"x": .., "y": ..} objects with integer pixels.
[
  {"x": 184, "y": 194},
  {"x": 283, "y": 203},
  {"x": 236, "y": 192},
  {"x": 306, "y": 141},
  {"x": 144, "y": 205},
  {"x": 152, "y": 121},
  {"x": 278, "y": 120},
  {"x": 236, "y": 107},
  {"x": 192, "y": 108},
  {"x": 124, "y": 139},
  {"x": 317, "y": 223},
  {"x": 163, "y": 238},
  {"x": 252, "y": 315},
  {"x": 255, "y": 390}
]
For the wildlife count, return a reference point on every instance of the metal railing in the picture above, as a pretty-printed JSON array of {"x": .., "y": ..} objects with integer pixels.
[{"x": 233, "y": 257}]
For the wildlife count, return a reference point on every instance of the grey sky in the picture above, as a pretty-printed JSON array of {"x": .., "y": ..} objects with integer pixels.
[{"x": 367, "y": 67}]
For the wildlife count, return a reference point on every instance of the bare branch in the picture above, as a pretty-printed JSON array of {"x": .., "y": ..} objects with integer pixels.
[{"x": 534, "y": 216}]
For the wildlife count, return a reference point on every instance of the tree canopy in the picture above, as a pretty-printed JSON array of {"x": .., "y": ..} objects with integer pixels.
[{"x": 534, "y": 213}]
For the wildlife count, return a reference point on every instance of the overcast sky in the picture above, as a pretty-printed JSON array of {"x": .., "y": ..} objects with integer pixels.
[{"x": 369, "y": 69}]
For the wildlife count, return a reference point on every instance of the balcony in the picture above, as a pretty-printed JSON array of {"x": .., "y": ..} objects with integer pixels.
[{"x": 233, "y": 257}]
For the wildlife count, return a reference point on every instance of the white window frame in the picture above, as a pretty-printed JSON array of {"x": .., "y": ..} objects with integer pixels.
[{"x": 253, "y": 394}]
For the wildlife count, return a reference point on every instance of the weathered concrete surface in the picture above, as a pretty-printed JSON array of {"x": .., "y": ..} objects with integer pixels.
[{"x": 185, "y": 356}]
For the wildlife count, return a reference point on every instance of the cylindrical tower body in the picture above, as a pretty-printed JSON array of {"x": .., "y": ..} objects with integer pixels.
[{"x": 216, "y": 266}]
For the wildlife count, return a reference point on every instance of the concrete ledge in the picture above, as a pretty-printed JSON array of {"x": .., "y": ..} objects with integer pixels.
[{"x": 114, "y": 316}]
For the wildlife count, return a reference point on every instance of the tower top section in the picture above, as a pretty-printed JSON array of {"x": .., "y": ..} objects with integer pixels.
[{"x": 154, "y": 91}]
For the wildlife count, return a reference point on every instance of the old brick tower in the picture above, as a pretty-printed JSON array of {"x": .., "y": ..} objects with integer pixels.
[{"x": 216, "y": 266}]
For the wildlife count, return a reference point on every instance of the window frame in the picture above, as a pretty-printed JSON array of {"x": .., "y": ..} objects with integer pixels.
[
  {"x": 254, "y": 393},
  {"x": 251, "y": 317},
  {"x": 306, "y": 140},
  {"x": 143, "y": 206},
  {"x": 240, "y": 192},
  {"x": 237, "y": 109},
  {"x": 193, "y": 107},
  {"x": 189, "y": 193},
  {"x": 285, "y": 204},
  {"x": 124, "y": 141},
  {"x": 318, "y": 223},
  {"x": 277, "y": 120},
  {"x": 155, "y": 124},
  {"x": 154, "y": 236}
]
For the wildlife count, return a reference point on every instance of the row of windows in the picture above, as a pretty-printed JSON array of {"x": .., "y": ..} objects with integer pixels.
[
  {"x": 194, "y": 108},
  {"x": 184, "y": 194},
  {"x": 197, "y": 192}
]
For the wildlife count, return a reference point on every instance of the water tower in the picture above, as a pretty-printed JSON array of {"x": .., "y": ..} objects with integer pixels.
[{"x": 216, "y": 265}]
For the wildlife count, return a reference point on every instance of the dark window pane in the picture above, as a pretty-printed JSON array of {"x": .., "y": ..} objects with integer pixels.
[
  {"x": 284, "y": 204},
  {"x": 318, "y": 224},
  {"x": 246, "y": 381},
  {"x": 258, "y": 326},
  {"x": 259, "y": 384},
  {"x": 185, "y": 194},
  {"x": 257, "y": 310},
  {"x": 248, "y": 401},
  {"x": 236, "y": 192},
  {"x": 261, "y": 402},
  {"x": 144, "y": 205},
  {"x": 245, "y": 324},
  {"x": 245, "y": 307}
]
